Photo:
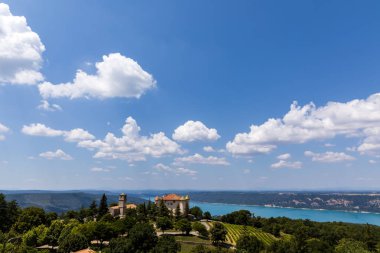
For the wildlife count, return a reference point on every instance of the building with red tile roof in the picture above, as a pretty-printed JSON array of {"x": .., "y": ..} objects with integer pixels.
[
  {"x": 172, "y": 201},
  {"x": 85, "y": 251}
]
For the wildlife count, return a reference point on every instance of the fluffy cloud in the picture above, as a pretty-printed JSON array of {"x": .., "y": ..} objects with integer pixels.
[
  {"x": 20, "y": 50},
  {"x": 3, "y": 130},
  {"x": 178, "y": 171},
  {"x": 371, "y": 144},
  {"x": 356, "y": 118},
  {"x": 77, "y": 134},
  {"x": 98, "y": 169},
  {"x": 116, "y": 76},
  {"x": 74, "y": 135},
  {"x": 37, "y": 129},
  {"x": 58, "y": 154},
  {"x": 199, "y": 159},
  {"x": 208, "y": 149},
  {"x": 329, "y": 157},
  {"x": 131, "y": 146},
  {"x": 287, "y": 164},
  {"x": 284, "y": 156},
  {"x": 46, "y": 106},
  {"x": 195, "y": 131}
]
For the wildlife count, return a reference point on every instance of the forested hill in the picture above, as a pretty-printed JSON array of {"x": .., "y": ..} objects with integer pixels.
[
  {"x": 60, "y": 202},
  {"x": 369, "y": 202}
]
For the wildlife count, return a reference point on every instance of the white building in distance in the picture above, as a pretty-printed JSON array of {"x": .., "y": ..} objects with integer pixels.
[{"x": 171, "y": 201}]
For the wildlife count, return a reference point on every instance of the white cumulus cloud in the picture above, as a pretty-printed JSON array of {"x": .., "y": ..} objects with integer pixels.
[
  {"x": 329, "y": 157},
  {"x": 116, "y": 76},
  {"x": 358, "y": 118},
  {"x": 38, "y": 129},
  {"x": 209, "y": 149},
  {"x": 58, "y": 154},
  {"x": 287, "y": 164},
  {"x": 46, "y": 106},
  {"x": 371, "y": 143},
  {"x": 195, "y": 131},
  {"x": 20, "y": 50},
  {"x": 99, "y": 169},
  {"x": 199, "y": 159},
  {"x": 132, "y": 146},
  {"x": 74, "y": 135},
  {"x": 77, "y": 135},
  {"x": 3, "y": 130},
  {"x": 283, "y": 162},
  {"x": 285, "y": 156},
  {"x": 177, "y": 171}
]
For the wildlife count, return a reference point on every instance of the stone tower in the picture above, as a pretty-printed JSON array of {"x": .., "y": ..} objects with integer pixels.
[{"x": 122, "y": 204}]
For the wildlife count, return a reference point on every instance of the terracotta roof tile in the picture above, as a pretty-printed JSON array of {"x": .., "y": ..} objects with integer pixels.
[
  {"x": 131, "y": 206},
  {"x": 85, "y": 251}
]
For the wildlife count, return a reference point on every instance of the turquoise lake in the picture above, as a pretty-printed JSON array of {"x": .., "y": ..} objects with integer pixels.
[{"x": 293, "y": 213}]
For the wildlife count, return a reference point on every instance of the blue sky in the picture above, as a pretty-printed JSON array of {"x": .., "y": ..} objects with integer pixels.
[{"x": 189, "y": 95}]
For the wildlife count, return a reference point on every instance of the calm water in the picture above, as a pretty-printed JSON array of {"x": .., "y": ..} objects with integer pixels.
[{"x": 315, "y": 215}]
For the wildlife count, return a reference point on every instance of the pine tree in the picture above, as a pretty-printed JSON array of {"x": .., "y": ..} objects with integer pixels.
[
  {"x": 93, "y": 208},
  {"x": 186, "y": 210},
  {"x": 369, "y": 238},
  {"x": 163, "y": 211},
  {"x": 177, "y": 212},
  {"x": 103, "y": 206},
  {"x": 141, "y": 211},
  {"x": 152, "y": 210}
]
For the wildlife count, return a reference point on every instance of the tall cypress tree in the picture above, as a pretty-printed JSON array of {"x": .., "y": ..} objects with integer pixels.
[
  {"x": 177, "y": 212},
  {"x": 3, "y": 213},
  {"x": 153, "y": 210},
  {"x": 187, "y": 209},
  {"x": 162, "y": 209},
  {"x": 103, "y": 206},
  {"x": 93, "y": 208}
]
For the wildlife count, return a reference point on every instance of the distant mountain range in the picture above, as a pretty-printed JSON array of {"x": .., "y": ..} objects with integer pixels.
[
  {"x": 345, "y": 201},
  {"x": 62, "y": 201}
]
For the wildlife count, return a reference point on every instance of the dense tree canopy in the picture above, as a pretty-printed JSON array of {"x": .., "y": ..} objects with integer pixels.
[
  {"x": 197, "y": 212},
  {"x": 183, "y": 225},
  {"x": 25, "y": 229},
  {"x": 249, "y": 244},
  {"x": 201, "y": 229},
  {"x": 167, "y": 244},
  {"x": 164, "y": 223},
  {"x": 218, "y": 233},
  {"x": 73, "y": 242}
]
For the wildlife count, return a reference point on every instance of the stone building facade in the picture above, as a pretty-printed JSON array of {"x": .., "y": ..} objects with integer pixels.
[
  {"x": 120, "y": 209},
  {"x": 173, "y": 200}
]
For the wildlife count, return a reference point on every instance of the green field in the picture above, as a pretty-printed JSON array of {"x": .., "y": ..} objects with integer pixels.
[
  {"x": 234, "y": 232},
  {"x": 189, "y": 242}
]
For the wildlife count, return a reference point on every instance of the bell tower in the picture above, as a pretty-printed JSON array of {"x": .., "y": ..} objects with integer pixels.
[{"x": 122, "y": 204}]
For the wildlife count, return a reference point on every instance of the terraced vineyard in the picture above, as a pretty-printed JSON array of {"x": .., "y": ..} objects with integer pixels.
[{"x": 234, "y": 232}]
